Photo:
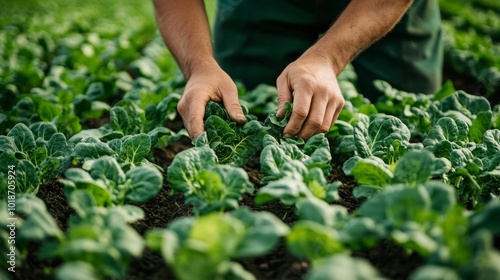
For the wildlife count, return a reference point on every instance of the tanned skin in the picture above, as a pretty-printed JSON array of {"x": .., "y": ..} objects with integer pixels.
[{"x": 310, "y": 82}]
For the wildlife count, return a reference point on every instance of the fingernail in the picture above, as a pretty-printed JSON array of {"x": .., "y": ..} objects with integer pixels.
[
  {"x": 241, "y": 116},
  {"x": 288, "y": 135}
]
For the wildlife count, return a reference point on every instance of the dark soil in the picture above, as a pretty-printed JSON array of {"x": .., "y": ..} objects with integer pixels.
[{"x": 392, "y": 261}]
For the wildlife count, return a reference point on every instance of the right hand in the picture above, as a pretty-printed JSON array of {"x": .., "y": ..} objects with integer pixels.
[{"x": 205, "y": 84}]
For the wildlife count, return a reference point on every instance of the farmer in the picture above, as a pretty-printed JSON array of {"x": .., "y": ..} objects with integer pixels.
[{"x": 300, "y": 46}]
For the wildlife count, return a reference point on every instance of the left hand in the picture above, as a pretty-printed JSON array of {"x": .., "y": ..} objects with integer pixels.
[{"x": 310, "y": 83}]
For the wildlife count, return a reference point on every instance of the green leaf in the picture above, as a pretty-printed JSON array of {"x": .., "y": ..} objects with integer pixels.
[
  {"x": 127, "y": 117},
  {"x": 125, "y": 238},
  {"x": 80, "y": 179},
  {"x": 486, "y": 218},
  {"x": 343, "y": 267},
  {"x": 135, "y": 148},
  {"x": 95, "y": 91},
  {"x": 287, "y": 190},
  {"x": 491, "y": 139},
  {"x": 361, "y": 233},
  {"x": 272, "y": 158},
  {"x": 263, "y": 232},
  {"x": 414, "y": 168},
  {"x": 371, "y": 172},
  {"x": 212, "y": 239},
  {"x": 43, "y": 130},
  {"x": 108, "y": 170},
  {"x": 57, "y": 146},
  {"x": 77, "y": 270},
  {"x": 39, "y": 224},
  {"x": 92, "y": 148},
  {"x": 233, "y": 145},
  {"x": 319, "y": 211},
  {"x": 68, "y": 124},
  {"x": 218, "y": 187},
  {"x": 434, "y": 272},
  {"x": 313, "y": 241},
  {"x": 187, "y": 164},
  {"x": 7, "y": 145},
  {"x": 391, "y": 205},
  {"x": 444, "y": 129},
  {"x": 81, "y": 201},
  {"x": 26, "y": 177},
  {"x": 467, "y": 104},
  {"x": 479, "y": 126},
  {"x": 48, "y": 111},
  {"x": 443, "y": 198},
  {"x": 145, "y": 183},
  {"x": 380, "y": 133},
  {"x": 365, "y": 191},
  {"x": 446, "y": 90},
  {"x": 23, "y": 138}
]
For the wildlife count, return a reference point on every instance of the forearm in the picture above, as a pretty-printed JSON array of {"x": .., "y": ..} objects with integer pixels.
[
  {"x": 184, "y": 28},
  {"x": 362, "y": 23}
]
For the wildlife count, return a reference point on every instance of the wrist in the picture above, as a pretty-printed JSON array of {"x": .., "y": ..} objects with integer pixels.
[
  {"x": 203, "y": 64},
  {"x": 328, "y": 57}
]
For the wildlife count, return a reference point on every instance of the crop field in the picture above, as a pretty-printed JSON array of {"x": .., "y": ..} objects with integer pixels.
[{"x": 99, "y": 179}]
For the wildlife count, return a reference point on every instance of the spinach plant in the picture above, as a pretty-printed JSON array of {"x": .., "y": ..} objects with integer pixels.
[
  {"x": 386, "y": 137},
  {"x": 233, "y": 144},
  {"x": 314, "y": 154},
  {"x": 129, "y": 151},
  {"x": 204, "y": 247},
  {"x": 109, "y": 185},
  {"x": 38, "y": 153},
  {"x": 128, "y": 119},
  {"x": 206, "y": 184},
  {"x": 98, "y": 243}
]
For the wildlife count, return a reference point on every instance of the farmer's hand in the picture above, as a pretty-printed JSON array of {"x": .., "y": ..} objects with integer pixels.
[
  {"x": 311, "y": 84},
  {"x": 208, "y": 82}
]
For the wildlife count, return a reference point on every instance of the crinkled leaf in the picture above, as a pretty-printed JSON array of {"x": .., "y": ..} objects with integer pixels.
[
  {"x": 57, "y": 146},
  {"x": 186, "y": 165},
  {"x": 491, "y": 139},
  {"x": 92, "y": 148},
  {"x": 43, "y": 130},
  {"x": 380, "y": 133},
  {"x": 23, "y": 138},
  {"x": 135, "y": 148}
]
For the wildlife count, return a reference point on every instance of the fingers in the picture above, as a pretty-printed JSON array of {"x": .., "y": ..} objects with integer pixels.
[
  {"x": 316, "y": 116},
  {"x": 231, "y": 103},
  {"x": 303, "y": 93},
  {"x": 315, "y": 108},
  {"x": 284, "y": 94},
  {"x": 201, "y": 89},
  {"x": 192, "y": 111}
]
